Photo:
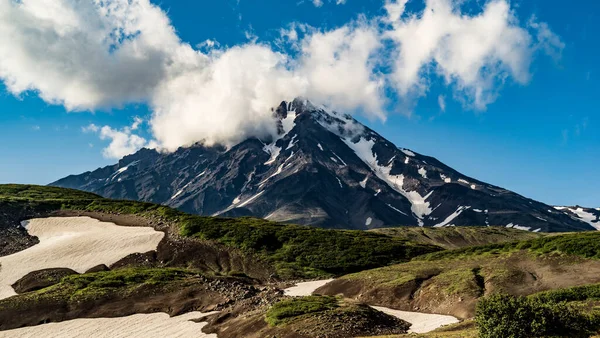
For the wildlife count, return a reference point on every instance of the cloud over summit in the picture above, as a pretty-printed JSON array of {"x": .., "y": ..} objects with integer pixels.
[{"x": 98, "y": 54}]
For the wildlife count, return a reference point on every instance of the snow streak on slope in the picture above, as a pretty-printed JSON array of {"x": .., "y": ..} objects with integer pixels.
[
  {"x": 288, "y": 124},
  {"x": 122, "y": 170},
  {"x": 364, "y": 150},
  {"x": 452, "y": 216},
  {"x": 186, "y": 186}
]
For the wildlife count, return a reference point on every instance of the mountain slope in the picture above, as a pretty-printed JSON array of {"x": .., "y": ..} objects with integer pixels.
[
  {"x": 324, "y": 169},
  {"x": 588, "y": 215}
]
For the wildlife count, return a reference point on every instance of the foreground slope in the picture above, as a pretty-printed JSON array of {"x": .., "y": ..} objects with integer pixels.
[
  {"x": 323, "y": 169},
  {"x": 256, "y": 247},
  {"x": 452, "y": 281},
  {"x": 201, "y": 264},
  {"x": 460, "y": 237},
  {"x": 235, "y": 267}
]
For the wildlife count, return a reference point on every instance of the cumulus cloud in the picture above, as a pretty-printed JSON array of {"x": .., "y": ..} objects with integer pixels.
[
  {"x": 83, "y": 54},
  {"x": 473, "y": 53},
  {"x": 90, "y": 55},
  {"x": 340, "y": 68},
  {"x": 122, "y": 142},
  {"x": 225, "y": 99}
]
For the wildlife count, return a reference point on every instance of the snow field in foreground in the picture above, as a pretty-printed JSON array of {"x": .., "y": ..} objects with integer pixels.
[
  {"x": 77, "y": 243},
  {"x": 421, "y": 322},
  {"x": 305, "y": 289},
  {"x": 156, "y": 325}
]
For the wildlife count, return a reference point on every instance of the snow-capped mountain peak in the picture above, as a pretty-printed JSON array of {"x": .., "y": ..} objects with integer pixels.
[{"x": 323, "y": 168}]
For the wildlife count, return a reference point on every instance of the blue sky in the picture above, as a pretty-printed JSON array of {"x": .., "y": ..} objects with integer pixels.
[{"x": 540, "y": 138}]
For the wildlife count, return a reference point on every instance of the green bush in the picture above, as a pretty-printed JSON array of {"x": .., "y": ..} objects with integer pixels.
[
  {"x": 502, "y": 316},
  {"x": 301, "y": 251},
  {"x": 583, "y": 244},
  {"x": 38, "y": 193},
  {"x": 284, "y": 311},
  {"x": 574, "y": 294}
]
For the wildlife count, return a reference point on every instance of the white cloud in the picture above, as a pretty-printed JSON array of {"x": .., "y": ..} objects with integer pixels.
[
  {"x": 394, "y": 9},
  {"x": 104, "y": 54},
  {"x": 90, "y": 128},
  {"x": 340, "y": 69},
  {"x": 137, "y": 121},
  {"x": 547, "y": 40},
  {"x": 319, "y": 3},
  {"x": 442, "y": 102},
  {"x": 475, "y": 54},
  {"x": 83, "y": 54},
  {"x": 122, "y": 142},
  {"x": 208, "y": 44},
  {"x": 225, "y": 99}
]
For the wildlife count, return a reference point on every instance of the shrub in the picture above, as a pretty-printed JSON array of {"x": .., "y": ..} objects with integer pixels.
[
  {"x": 573, "y": 294},
  {"x": 502, "y": 316}
]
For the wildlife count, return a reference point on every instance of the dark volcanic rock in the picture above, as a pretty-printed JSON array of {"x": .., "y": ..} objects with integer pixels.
[
  {"x": 41, "y": 279},
  {"x": 323, "y": 169}
]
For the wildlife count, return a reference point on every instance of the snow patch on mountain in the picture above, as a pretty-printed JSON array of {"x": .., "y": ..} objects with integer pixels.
[
  {"x": 363, "y": 183},
  {"x": 452, "y": 217},
  {"x": 293, "y": 142},
  {"x": 445, "y": 178},
  {"x": 288, "y": 124},
  {"x": 582, "y": 214},
  {"x": 408, "y": 152},
  {"x": 273, "y": 150},
  {"x": 519, "y": 227},
  {"x": 395, "y": 209},
  {"x": 122, "y": 170},
  {"x": 364, "y": 150},
  {"x": 251, "y": 199},
  {"x": 339, "y": 158}
]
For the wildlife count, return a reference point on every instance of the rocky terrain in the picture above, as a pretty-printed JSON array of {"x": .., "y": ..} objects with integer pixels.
[
  {"x": 229, "y": 275},
  {"x": 323, "y": 169}
]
